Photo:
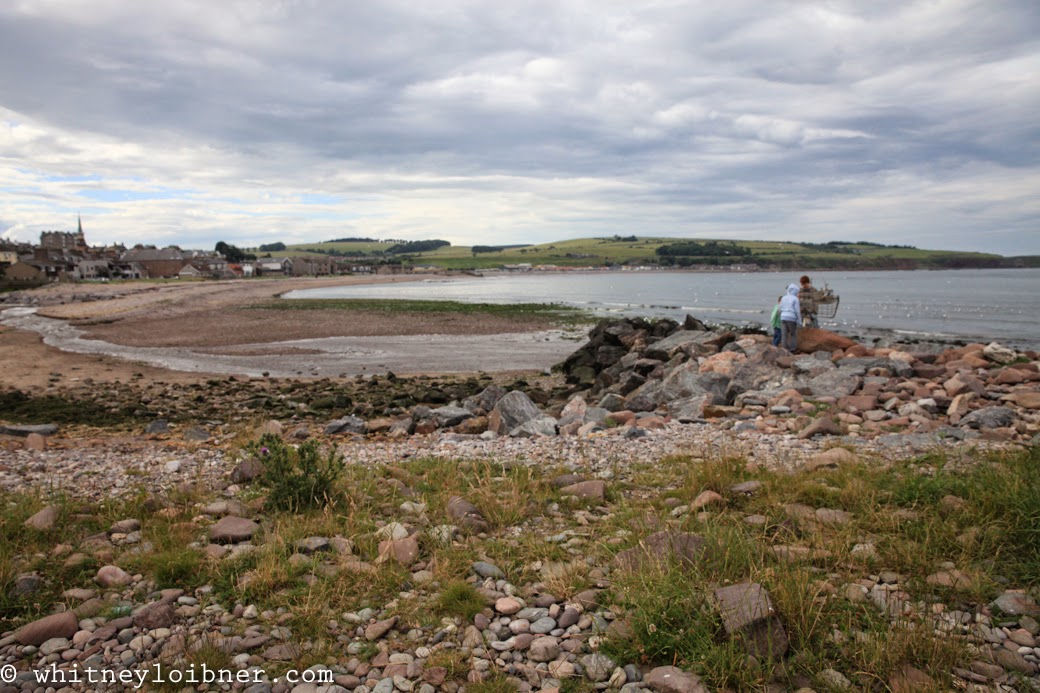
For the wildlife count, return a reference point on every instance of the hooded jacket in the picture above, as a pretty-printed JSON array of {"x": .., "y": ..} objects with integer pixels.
[{"x": 790, "y": 307}]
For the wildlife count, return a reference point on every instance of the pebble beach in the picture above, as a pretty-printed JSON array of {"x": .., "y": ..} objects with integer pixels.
[{"x": 146, "y": 547}]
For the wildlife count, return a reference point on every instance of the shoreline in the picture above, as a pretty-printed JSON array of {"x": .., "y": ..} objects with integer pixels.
[{"x": 185, "y": 332}]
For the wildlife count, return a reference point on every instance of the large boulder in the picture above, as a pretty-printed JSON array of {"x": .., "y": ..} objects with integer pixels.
[
  {"x": 687, "y": 381},
  {"x": 839, "y": 382},
  {"x": 989, "y": 417},
  {"x": 485, "y": 400},
  {"x": 538, "y": 427},
  {"x": 811, "y": 339},
  {"x": 575, "y": 410},
  {"x": 999, "y": 353},
  {"x": 512, "y": 411},
  {"x": 449, "y": 415},
  {"x": 683, "y": 343},
  {"x": 348, "y": 424},
  {"x": 691, "y": 409},
  {"x": 812, "y": 366},
  {"x": 1025, "y": 399},
  {"x": 756, "y": 375}
]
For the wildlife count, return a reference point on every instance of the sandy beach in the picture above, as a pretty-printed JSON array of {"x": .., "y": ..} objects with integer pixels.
[{"x": 178, "y": 332}]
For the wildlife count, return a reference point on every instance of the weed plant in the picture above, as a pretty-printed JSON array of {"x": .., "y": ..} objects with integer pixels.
[{"x": 296, "y": 478}]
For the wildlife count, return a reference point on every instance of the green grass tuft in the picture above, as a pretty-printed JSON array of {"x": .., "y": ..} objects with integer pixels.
[{"x": 460, "y": 599}]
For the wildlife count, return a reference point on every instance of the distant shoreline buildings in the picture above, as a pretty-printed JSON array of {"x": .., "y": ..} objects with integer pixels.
[{"x": 66, "y": 256}]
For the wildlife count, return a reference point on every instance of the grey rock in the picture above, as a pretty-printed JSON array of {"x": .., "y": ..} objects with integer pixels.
[
  {"x": 568, "y": 618},
  {"x": 450, "y": 416},
  {"x": 512, "y": 411},
  {"x": 989, "y": 417},
  {"x": 44, "y": 519},
  {"x": 745, "y": 488},
  {"x": 225, "y": 507},
  {"x": 837, "y": 383},
  {"x": 811, "y": 366},
  {"x": 659, "y": 548},
  {"x": 484, "y": 401},
  {"x": 312, "y": 545},
  {"x": 538, "y": 427},
  {"x": 380, "y": 628},
  {"x": 54, "y": 645},
  {"x": 155, "y": 615},
  {"x": 748, "y": 614},
  {"x": 26, "y": 584},
  {"x": 348, "y": 424},
  {"x": 467, "y": 515},
  {"x": 544, "y": 626},
  {"x": 691, "y": 409},
  {"x": 247, "y": 470},
  {"x": 113, "y": 576},
  {"x": 674, "y": 680},
  {"x": 231, "y": 530},
  {"x": 598, "y": 667},
  {"x": 1017, "y": 604},
  {"x": 594, "y": 490},
  {"x": 612, "y": 402},
  {"x": 684, "y": 342},
  {"x": 756, "y": 375},
  {"x": 24, "y": 431},
  {"x": 196, "y": 434},
  {"x": 124, "y": 526},
  {"x": 835, "y": 680},
  {"x": 487, "y": 570},
  {"x": 157, "y": 426}
]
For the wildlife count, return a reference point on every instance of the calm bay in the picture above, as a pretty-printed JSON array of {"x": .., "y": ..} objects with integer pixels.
[{"x": 948, "y": 305}]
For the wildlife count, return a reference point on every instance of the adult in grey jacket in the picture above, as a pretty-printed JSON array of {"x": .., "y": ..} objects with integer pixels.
[{"x": 790, "y": 315}]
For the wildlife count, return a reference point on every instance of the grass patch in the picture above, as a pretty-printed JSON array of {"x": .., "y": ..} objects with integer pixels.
[
  {"x": 460, "y": 599},
  {"x": 495, "y": 683},
  {"x": 455, "y": 663},
  {"x": 550, "y": 312},
  {"x": 978, "y": 515}
]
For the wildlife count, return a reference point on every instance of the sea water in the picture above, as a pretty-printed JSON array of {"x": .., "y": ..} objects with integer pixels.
[{"x": 950, "y": 305}]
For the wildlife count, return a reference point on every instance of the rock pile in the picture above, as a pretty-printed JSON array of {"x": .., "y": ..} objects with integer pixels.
[{"x": 641, "y": 374}]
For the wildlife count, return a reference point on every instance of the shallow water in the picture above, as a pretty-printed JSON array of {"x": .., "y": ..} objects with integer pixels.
[{"x": 950, "y": 305}]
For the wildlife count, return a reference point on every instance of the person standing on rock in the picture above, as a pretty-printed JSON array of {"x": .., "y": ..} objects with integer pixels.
[
  {"x": 774, "y": 321},
  {"x": 790, "y": 315},
  {"x": 807, "y": 299}
]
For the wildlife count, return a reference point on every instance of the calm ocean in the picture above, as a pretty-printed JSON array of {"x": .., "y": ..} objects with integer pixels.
[{"x": 969, "y": 305}]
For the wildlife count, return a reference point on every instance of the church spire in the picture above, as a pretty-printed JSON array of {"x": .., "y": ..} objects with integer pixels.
[{"x": 79, "y": 224}]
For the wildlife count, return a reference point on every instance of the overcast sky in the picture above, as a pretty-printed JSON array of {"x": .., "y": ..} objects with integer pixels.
[{"x": 489, "y": 122}]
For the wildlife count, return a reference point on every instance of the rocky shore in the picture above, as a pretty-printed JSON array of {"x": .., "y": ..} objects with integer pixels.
[{"x": 677, "y": 509}]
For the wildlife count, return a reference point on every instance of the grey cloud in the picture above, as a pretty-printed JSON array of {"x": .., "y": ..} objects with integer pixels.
[{"x": 692, "y": 115}]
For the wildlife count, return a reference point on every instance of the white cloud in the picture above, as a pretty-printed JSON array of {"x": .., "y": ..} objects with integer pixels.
[{"x": 482, "y": 122}]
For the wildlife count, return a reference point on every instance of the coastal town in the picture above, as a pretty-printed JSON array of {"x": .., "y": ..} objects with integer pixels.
[{"x": 66, "y": 256}]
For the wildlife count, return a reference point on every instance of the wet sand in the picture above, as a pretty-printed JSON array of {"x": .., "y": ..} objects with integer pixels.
[{"x": 180, "y": 331}]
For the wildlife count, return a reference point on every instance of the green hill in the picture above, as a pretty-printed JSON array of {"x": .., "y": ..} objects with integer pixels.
[{"x": 671, "y": 252}]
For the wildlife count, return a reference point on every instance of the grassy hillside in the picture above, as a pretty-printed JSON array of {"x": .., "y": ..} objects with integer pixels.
[{"x": 633, "y": 251}]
